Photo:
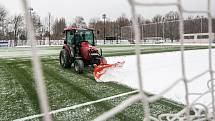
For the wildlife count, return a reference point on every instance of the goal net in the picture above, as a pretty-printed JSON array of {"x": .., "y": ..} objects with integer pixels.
[{"x": 137, "y": 33}]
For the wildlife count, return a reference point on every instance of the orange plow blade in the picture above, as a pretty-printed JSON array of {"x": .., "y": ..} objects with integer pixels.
[{"x": 101, "y": 70}]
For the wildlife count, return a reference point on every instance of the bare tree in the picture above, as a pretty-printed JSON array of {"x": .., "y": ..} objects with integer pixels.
[
  {"x": 58, "y": 27},
  {"x": 79, "y": 22},
  {"x": 157, "y": 18},
  {"x": 171, "y": 27},
  {"x": 124, "y": 21},
  {"x": 3, "y": 14},
  {"x": 37, "y": 24},
  {"x": 113, "y": 27},
  {"x": 17, "y": 22},
  {"x": 140, "y": 19},
  {"x": 47, "y": 26},
  {"x": 98, "y": 25}
]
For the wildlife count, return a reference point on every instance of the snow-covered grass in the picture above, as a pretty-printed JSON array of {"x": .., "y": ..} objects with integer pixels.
[
  {"x": 65, "y": 88},
  {"x": 160, "y": 70}
]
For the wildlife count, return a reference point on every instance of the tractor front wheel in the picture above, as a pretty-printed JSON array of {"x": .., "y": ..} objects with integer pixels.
[
  {"x": 79, "y": 66},
  {"x": 64, "y": 59}
]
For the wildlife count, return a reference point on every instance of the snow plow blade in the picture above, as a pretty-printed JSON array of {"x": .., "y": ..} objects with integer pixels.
[{"x": 101, "y": 70}]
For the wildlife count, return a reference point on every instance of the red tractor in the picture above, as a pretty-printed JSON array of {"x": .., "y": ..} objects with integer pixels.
[{"x": 79, "y": 49}]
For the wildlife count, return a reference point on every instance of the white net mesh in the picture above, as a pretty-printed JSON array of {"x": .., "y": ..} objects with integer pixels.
[
  {"x": 200, "y": 111},
  {"x": 38, "y": 75}
]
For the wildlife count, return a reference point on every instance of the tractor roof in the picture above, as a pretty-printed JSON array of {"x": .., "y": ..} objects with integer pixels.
[{"x": 69, "y": 28}]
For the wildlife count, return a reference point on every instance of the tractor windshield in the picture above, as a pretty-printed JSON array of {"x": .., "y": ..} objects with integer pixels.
[{"x": 85, "y": 35}]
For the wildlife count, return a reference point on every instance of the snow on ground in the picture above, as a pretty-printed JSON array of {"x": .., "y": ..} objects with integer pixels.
[{"x": 160, "y": 70}]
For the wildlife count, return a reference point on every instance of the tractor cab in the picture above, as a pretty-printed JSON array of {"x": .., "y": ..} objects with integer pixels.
[
  {"x": 74, "y": 36},
  {"x": 79, "y": 48}
]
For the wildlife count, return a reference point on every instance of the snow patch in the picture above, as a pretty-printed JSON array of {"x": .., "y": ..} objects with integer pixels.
[{"x": 160, "y": 70}]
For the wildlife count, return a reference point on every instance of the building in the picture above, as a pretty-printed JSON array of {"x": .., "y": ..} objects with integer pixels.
[{"x": 198, "y": 38}]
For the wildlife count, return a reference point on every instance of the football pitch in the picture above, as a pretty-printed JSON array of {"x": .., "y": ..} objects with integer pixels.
[{"x": 66, "y": 88}]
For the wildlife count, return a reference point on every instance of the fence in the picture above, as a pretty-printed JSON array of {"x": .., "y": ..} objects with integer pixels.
[
  {"x": 27, "y": 43},
  {"x": 168, "y": 31}
]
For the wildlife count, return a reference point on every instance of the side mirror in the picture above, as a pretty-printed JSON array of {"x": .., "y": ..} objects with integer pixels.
[
  {"x": 100, "y": 51},
  {"x": 65, "y": 42}
]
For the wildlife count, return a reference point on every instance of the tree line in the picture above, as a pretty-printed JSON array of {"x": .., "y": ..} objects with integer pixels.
[{"x": 14, "y": 28}]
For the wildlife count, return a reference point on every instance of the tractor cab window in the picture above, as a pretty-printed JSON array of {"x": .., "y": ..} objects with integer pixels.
[
  {"x": 70, "y": 37},
  {"x": 85, "y": 35}
]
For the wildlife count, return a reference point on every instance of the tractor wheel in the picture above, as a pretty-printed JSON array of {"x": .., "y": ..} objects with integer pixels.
[
  {"x": 64, "y": 59},
  {"x": 79, "y": 66}
]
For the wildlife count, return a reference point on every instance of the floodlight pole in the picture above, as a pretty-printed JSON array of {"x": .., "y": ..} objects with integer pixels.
[
  {"x": 30, "y": 11},
  {"x": 49, "y": 14},
  {"x": 104, "y": 17},
  {"x": 163, "y": 29},
  {"x": 156, "y": 23},
  {"x": 201, "y": 24}
]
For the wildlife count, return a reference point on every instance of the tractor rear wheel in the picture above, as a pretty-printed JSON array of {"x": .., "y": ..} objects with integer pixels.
[
  {"x": 79, "y": 66},
  {"x": 65, "y": 59}
]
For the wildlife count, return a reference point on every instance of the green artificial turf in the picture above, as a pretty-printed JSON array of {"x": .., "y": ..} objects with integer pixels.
[{"x": 65, "y": 88}]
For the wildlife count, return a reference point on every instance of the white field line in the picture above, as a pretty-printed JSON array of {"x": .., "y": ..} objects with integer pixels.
[
  {"x": 76, "y": 106},
  {"x": 122, "y": 106}
]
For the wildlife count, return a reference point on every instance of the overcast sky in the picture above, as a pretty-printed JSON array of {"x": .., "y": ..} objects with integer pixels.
[{"x": 95, "y": 8}]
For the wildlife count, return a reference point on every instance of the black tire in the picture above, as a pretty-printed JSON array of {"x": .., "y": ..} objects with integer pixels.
[
  {"x": 79, "y": 66},
  {"x": 72, "y": 55},
  {"x": 64, "y": 59}
]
